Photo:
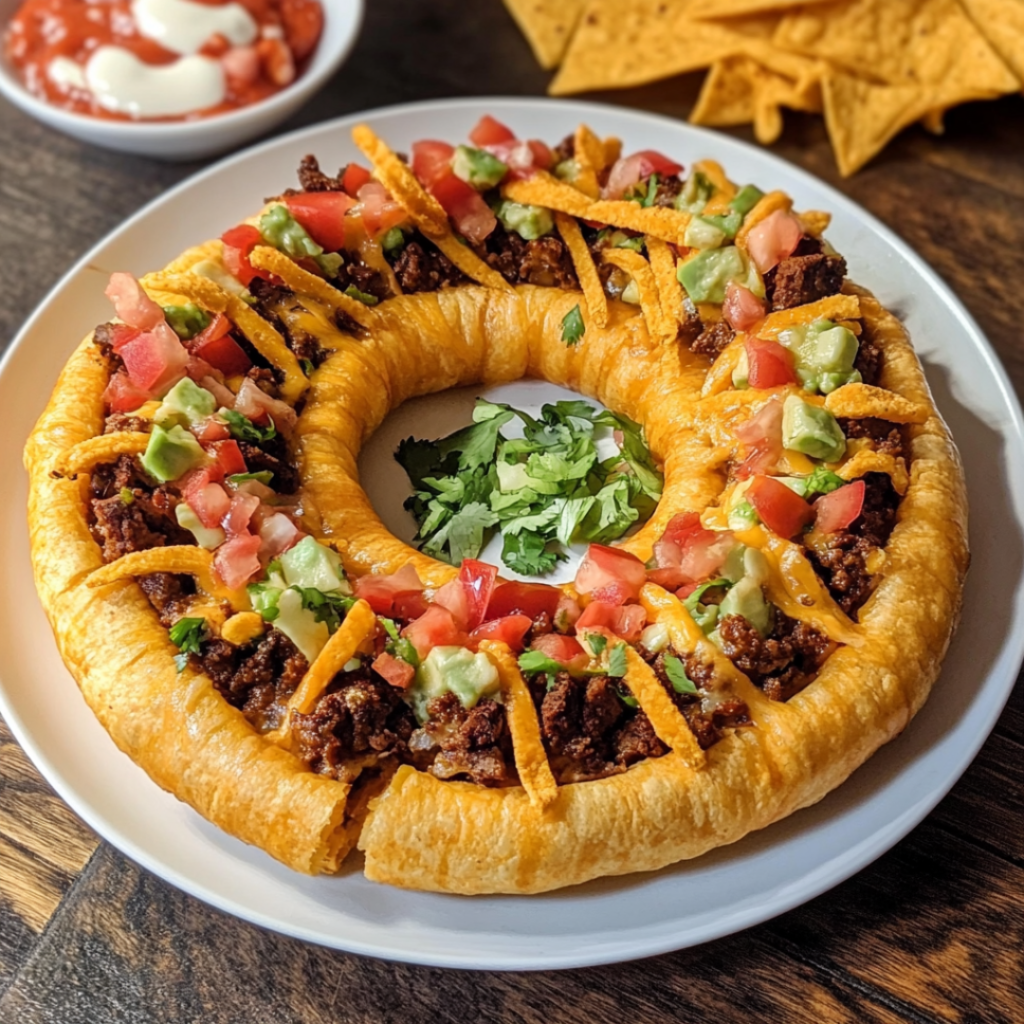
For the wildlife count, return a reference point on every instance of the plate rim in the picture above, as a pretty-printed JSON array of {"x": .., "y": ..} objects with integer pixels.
[{"x": 868, "y": 850}]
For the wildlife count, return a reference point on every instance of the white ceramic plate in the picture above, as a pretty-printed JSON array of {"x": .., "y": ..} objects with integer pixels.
[{"x": 606, "y": 921}]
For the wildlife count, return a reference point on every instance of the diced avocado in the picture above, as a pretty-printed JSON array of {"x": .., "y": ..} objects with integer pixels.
[
  {"x": 264, "y": 597},
  {"x": 205, "y": 537},
  {"x": 454, "y": 670},
  {"x": 282, "y": 231},
  {"x": 311, "y": 564},
  {"x": 186, "y": 321},
  {"x": 746, "y": 597},
  {"x": 394, "y": 238},
  {"x": 186, "y": 403},
  {"x": 701, "y": 233},
  {"x": 477, "y": 167},
  {"x": 567, "y": 170},
  {"x": 746, "y": 199},
  {"x": 825, "y": 354},
  {"x": 171, "y": 453},
  {"x": 741, "y": 375},
  {"x": 529, "y": 222},
  {"x": 620, "y": 240},
  {"x": 705, "y": 615},
  {"x": 706, "y": 275},
  {"x": 742, "y": 516},
  {"x": 812, "y": 430},
  {"x": 696, "y": 193},
  {"x": 300, "y": 625}
]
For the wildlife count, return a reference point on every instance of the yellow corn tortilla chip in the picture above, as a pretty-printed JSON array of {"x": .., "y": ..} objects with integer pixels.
[
  {"x": 670, "y": 291},
  {"x": 547, "y": 24},
  {"x": 711, "y": 9},
  {"x": 727, "y": 95},
  {"x": 1001, "y": 22},
  {"x": 858, "y": 401},
  {"x": 84, "y": 457},
  {"x": 589, "y": 154},
  {"x": 586, "y": 271},
  {"x": 660, "y": 327},
  {"x": 815, "y": 222}
]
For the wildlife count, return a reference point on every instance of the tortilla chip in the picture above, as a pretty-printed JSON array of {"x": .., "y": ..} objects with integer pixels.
[
  {"x": 711, "y": 9},
  {"x": 1001, "y": 22},
  {"x": 84, "y": 457},
  {"x": 543, "y": 189},
  {"x": 815, "y": 222},
  {"x": 302, "y": 282},
  {"x": 833, "y": 307},
  {"x": 589, "y": 154},
  {"x": 858, "y": 401},
  {"x": 661, "y": 221},
  {"x": 659, "y": 325},
  {"x": 727, "y": 95},
  {"x": 586, "y": 271},
  {"x": 547, "y": 24},
  {"x": 663, "y": 264},
  {"x": 867, "y": 460},
  {"x": 612, "y": 150}
]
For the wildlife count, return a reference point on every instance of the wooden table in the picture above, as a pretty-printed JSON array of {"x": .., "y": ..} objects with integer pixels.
[{"x": 933, "y": 931}]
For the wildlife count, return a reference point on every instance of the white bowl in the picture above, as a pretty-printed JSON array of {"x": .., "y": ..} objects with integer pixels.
[{"x": 190, "y": 140}]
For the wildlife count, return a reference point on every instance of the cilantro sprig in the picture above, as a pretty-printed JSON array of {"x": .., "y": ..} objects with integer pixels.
[
  {"x": 543, "y": 491},
  {"x": 573, "y": 327},
  {"x": 186, "y": 634}
]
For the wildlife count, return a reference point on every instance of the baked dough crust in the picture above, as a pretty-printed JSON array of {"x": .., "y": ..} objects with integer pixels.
[{"x": 427, "y": 834}]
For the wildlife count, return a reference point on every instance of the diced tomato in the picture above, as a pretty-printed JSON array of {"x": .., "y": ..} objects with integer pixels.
[
  {"x": 615, "y": 592},
  {"x": 121, "y": 334},
  {"x": 770, "y": 364},
  {"x": 783, "y": 511},
  {"x": 519, "y": 157},
  {"x": 472, "y": 217},
  {"x": 132, "y": 304},
  {"x": 409, "y": 605},
  {"x": 566, "y": 650},
  {"x": 322, "y": 214},
  {"x": 532, "y": 599},
  {"x": 762, "y": 437},
  {"x": 394, "y": 671},
  {"x": 382, "y": 592},
  {"x": 277, "y": 534},
  {"x": 477, "y": 579},
  {"x": 688, "y": 552},
  {"x": 542, "y": 155},
  {"x": 773, "y": 239},
  {"x": 626, "y": 621},
  {"x": 509, "y": 629},
  {"x": 215, "y": 345},
  {"x": 453, "y": 597},
  {"x": 603, "y": 566},
  {"x": 228, "y": 455},
  {"x": 211, "y": 429},
  {"x": 837, "y": 510},
  {"x": 155, "y": 359},
  {"x": 567, "y": 613},
  {"x": 236, "y": 521},
  {"x": 354, "y": 178},
  {"x": 628, "y": 171},
  {"x": 206, "y": 498},
  {"x": 379, "y": 210},
  {"x": 239, "y": 242},
  {"x": 121, "y": 395},
  {"x": 303, "y": 22},
  {"x": 489, "y": 131},
  {"x": 237, "y": 561},
  {"x": 431, "y": 160},
  {"x": 434, "y": 628},
  {"x": 742, "y": 308},
  {"x": 256, "y": 405}
]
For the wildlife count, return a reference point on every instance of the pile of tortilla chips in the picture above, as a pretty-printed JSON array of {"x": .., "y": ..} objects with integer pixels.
[{"x": 873, "y": 67}]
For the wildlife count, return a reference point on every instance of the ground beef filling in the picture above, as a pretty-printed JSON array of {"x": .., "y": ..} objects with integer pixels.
[
  {"x": 588, "y": 731},
  {"x": 275, "y": 304},
  {"x": 541, "y": 261},
  {"x": 713, "y": 340},
  {"x": 420, "y": 267},
  {"x": 782, "y": 663},
  {"x": 707, "y": 716},
  {"x": 808, "y": 275}
]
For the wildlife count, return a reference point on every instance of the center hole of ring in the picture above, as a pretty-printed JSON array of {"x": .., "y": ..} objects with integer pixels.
[{"x": 435, "y": 416}]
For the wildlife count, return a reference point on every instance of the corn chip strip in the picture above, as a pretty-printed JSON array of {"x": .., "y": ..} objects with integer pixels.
[
  {"x": 765, "y": 207},
  {"x": 175, "y": 558},
  {"x": 469, "y": 263},
  {"x": 659, "y": 221},
  {"x": 403, "y": 185},
  {"x": 586, "y": 271},
  {"x": 815, "y": 222},
  {"x": 867, "y": 460},
  {"x": 302, "y": 282},
  {"x": 588, "y": 152},
  {"x": 612, "y": 150},
  {"x": 542, "y": 189},
  {"x": 833, "y": 307},
  {"x": 663, "y": 264},
  {"x": 668, "y": 723},
  {"x": 858, "y": 401},
  {"x": 640, "y": 270},
  {"x": 243, "y": 627},
  {"x": 85, "y": 456},
  {"x": 521, "y": 716}
]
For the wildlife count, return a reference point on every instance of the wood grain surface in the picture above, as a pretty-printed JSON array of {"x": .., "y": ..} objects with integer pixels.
[{"x": 933, "y": 931}]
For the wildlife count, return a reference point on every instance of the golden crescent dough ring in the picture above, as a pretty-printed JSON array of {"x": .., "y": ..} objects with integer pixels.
[{"x": 418, "y": 831}]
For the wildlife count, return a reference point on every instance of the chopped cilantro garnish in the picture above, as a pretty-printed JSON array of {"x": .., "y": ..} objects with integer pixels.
[
  {"x": 330, "y": 608},
  {"x": 243, "y": 429},
  {"x": 617, "y": 661},
  {"x": 628, "y": 699},
  {"x": 531, "y": 662},
  {"x": 597, "y": 643},
  {"x": 543, "y": 490},
  {"x": 390, "y": 626},
  {"x": 364, "y": 297},
  {"x": 307, "y": 367},
  {"x": 822, "y": 481},
  {"x": 677, "y": 676},
  {"x": 573, "y": 327},
  {"x": 186, "y": 635},
  {"x": 404, "y": 650},
  {"x": 652, "y": 191},
  {"x": 263, "y": 476}
]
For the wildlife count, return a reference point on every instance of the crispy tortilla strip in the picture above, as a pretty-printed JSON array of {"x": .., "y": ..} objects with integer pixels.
[
  {"x": 87, "y": 455},
  {"x": 668, "y": 723},
  {"x": 586, "y": 271},
  {"x": 543, "y": 189},
  {"x": 302, "y": 282},
  {"x": 815, "y": 222},
  {"x": 660, "y": 221},
  {"x": 399, "y": 180},
  {"x": 663, "y": 265},
  {"x": 659, "y": 325},
  {"x": 243, "y": 627},
  {"x": 175, "y": 558},
  {"x": 521, "y": 716},
  {"x": 264, "y": 338},
  {"x": 548, "y": 26},
  {"x": 867, "y": 460},
  {"x": 589, "y": 154},
  {"x": 833, "y": 307},
  {"x": 857, "y": 401}
]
